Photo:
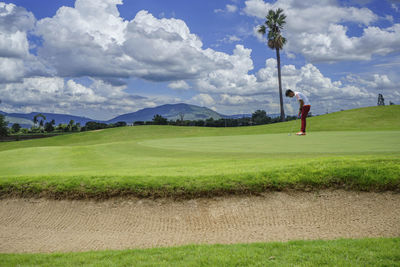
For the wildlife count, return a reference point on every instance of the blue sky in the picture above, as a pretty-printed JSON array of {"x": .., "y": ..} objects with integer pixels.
[{"x": 102, "y": 58}]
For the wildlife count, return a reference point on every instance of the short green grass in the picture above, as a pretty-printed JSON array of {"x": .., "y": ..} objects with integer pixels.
[
  {"x": 355, "y": 149},
  {"x": 344, "y": 252}
]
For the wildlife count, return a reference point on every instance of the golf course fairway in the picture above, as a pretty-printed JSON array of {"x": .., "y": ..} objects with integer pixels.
[{"x": 199, "y": 161}]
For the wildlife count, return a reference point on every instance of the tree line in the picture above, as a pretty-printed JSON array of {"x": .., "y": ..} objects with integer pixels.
[
  {"x": 41, "y": 126},
  {"x": 259, "y": 117}
]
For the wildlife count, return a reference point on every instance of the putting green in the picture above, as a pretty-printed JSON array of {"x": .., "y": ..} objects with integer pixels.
[{"x": 318, "y": 142}]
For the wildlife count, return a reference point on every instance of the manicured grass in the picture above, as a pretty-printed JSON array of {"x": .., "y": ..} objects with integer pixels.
[
  {"x": 344, "y": 252},
  {"x": 194, "y": 161}
]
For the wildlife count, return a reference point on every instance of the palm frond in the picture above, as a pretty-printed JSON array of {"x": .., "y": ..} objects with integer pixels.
[
  {"x": 262, "y": 29},
  {"x": 271, "y": 44},
  {"x": 271, "y": 35}
]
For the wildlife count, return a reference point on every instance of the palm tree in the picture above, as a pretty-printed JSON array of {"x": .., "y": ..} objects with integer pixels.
[
  {"x": 70, "y": 125},
  {"x": 275, "y": 21},
  {"x": 35, "y": 119}
]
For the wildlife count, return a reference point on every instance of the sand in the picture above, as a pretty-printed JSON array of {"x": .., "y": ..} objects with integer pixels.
[{"x": 43, "y": 225}]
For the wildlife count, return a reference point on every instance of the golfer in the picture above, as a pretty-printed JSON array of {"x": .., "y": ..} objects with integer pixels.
[{"x": 305, "y": 107}]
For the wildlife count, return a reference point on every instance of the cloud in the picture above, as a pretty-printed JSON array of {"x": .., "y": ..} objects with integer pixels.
[
  {"x": 326, "y": 39},
  {"x": 335, "y": 45},
  {"x": 179, "y": 85},
  {"x": 235, "y": 80},
  {"x": 66, "y": 96},
  {"x": 231, "y": 8},
  {"x": 226, "y": 99},
  {"x": 203, "y": 100},
  {"x": 14, "y": 23},
  {"x": 92, "y": 39},
  {"x": 228, "y": 9},
  {"x": 148, "y": 39},
  {"x": 15, "y": 59},
  {"x": 240, "y": 91},
  {"x": 11, "y": 70}
]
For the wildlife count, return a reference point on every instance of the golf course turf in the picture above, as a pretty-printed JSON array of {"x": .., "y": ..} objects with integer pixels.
[
  {"x": 344, "y": 252},
  {"x": 355, "y": 149}
]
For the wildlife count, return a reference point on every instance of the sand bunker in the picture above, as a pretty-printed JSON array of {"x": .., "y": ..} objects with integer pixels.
[{"x": 41, "y": 225}]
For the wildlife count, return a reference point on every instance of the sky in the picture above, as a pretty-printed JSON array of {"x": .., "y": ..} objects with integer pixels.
[{"x": 103, "y": 58}]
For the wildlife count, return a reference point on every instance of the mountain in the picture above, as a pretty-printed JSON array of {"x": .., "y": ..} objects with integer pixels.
[
  {"x": 171, "y": 112},
  {"x": 21, "y": 121}
]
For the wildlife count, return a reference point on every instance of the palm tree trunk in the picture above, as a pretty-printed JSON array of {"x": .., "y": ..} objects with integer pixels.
[{"x": 280, "y": 84}]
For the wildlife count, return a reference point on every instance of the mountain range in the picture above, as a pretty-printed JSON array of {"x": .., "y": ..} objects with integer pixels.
[{"x": 169, "y": 111}]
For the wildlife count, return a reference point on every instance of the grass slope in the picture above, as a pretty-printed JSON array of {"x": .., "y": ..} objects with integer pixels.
[
  {"x": 344, "y": 252},
  {"x": 356, "y": 149}
]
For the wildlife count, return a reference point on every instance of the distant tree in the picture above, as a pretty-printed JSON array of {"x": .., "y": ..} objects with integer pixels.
[
  {"x": 209, "y": 122},
  {"x": 35, "y": 119},
  {"x": 138, "y": 123},
  {"x": 391, "y": 103},
  {"x": 3, "y": 126},
  {"x": 120, "y": 124},
  {"x": 41, "y": 123},
  {"x": 160, "y": 120},
  {"x": 181, "y": 116},
  {"x": 77, "y": 127},
  {"x": 16, "y": 128},
  {"x": 381, "y": 100},
  {"x": 93, "y": 125},
  {"x": 260, "y": 117},
  {"x": 71, "y": 125},
  {"x": 199, "y": 123},
  {"x": 48, "y": 127},
  {"x": 274, "y": 23},
  {"x": 60, "y": 127}
]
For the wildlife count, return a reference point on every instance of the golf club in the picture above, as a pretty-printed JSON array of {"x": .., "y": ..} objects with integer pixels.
[{"x": 291, "y": 130}]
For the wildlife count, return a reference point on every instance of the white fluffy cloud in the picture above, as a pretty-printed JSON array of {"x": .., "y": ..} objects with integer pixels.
[
  {"x": 66, "y": 96},
  {"x": 92, "y": 39},
  {"x": 203, "y": 100},
  {"x": 179, "y": 85},
  {"x": 14, "y": 23},
  {"x": 228, "y": 9},
  {"x": 249, "y": 91},
  {"x": 11, "y": 69},
  {"x": 323, "y": 37},
  {"x": 235, "y": 80},
  {"x": 15, "y": 59}
]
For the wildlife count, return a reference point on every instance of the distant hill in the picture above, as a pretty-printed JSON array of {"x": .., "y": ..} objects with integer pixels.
[
  {"x": 21, "y": 121},
  {"x": 171, "y": 112},
  {"x": 25, "y": 119},
  {"x": 237, "y": 116}
]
